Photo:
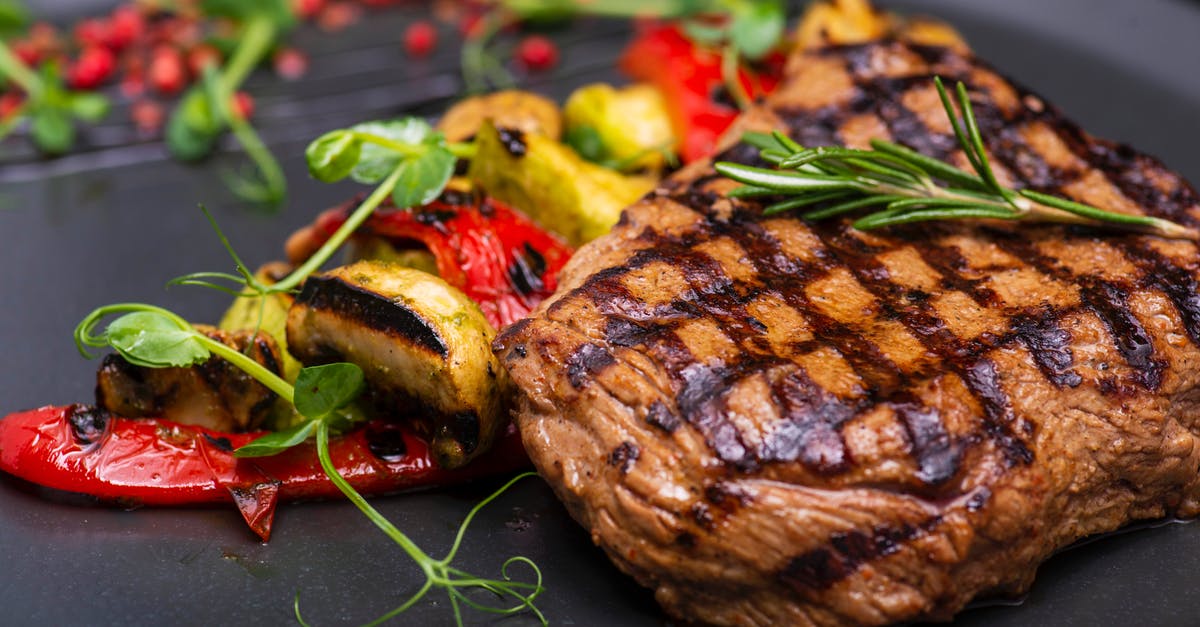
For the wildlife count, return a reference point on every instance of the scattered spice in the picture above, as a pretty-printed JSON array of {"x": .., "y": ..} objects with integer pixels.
[
  {"x": 420, "y": 38},
  {"x": 537, "y": 53},
  {"x": 290, "y": 63}
]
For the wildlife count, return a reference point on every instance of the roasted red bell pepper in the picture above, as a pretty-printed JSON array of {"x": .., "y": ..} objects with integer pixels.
[
  {"x": 691, "y": 80},
  {"x": 81, "y": 449},
  {"x": 497, "y": 256}
]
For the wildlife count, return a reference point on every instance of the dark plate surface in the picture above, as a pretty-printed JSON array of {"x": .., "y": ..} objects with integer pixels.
[{"x": 116, "y": 223}]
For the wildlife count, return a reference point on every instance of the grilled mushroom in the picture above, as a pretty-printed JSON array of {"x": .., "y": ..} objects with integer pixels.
[
  {"x": 422, "y": 344},
  {"x": 214, "y": 394}
]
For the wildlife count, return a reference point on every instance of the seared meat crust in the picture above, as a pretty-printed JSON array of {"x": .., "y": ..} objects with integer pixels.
[{"x": 774, "y": 422}]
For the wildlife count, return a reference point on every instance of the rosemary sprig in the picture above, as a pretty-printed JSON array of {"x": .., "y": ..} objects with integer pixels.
[{"x": 828, "y": 181}]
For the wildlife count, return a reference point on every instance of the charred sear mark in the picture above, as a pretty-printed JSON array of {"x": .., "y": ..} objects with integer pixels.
[
  {"x": 726, "y": 497},
  {"x": 463, "y": 427},
  {"x": 937, "y": 455},
  {"x": 1128, "y": 171},
  {"x": 585, "y": 362},
  {"x": 1110, "y": 303},
  {"x": 624, "y": 456},
  {"x": 1050, "y": 346},
  {"x": 336, "y": 296},
  {"x": 701, "y": 401},
  {"x": 459, "y": 198},
  {"x": 513, "y": 141},
  {"x": 628, "y": 333},
  {"x": 87, "y": 423},
  {"x": 435, "y": 218},
  {"x": 814, "y": 128},
  {"x": 742, "y": 153},
  {"x": 659, "y": 416},
  {"x": 1177, "y": 283},
  {"x": 845, "y": 552},
  {"x": 983, "y": 381},
  {"x": 386, "y": 441},
  {"x": 810, "y": 429},
  {"x": 223, "y": 443},
  {"x": 527, "y": 270}
]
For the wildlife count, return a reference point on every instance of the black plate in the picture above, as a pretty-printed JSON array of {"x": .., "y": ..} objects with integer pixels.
[{"x": 117, "y": 222}]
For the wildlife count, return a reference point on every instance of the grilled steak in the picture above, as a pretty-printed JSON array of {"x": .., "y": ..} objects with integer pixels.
[{"x": 775, "y": 422}]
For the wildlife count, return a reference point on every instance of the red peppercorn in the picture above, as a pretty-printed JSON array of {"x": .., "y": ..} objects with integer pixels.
[
  {"x": 10, "y": 102},
  {"x": 537, "y": 53},
  {"x": 147, "y": 116},
  {"x": 242, "y": 104},
  {"x": 92, "y": 32},
  {"x": 200, "y": 56},
  {"x": 307, "y": 9},
  {"x": 125, "y": 26},
  {"x": 337, "y": 16},
  {"x": 26, "y": 51},
  {"x": 133, "y": 85},
  {"x": 290, "y": 63},
  {"x": 419, "y": 39},
  {"x": 94, "y": 66},
  {"x": 166, "y": 73}
]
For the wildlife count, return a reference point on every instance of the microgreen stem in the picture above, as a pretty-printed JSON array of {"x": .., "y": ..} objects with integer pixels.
[
  {"x": 256, "y": 370},
  {"x": 731, "y": 75},
  {"x": 274, "y": 183},
  {"x": 361, "y": 503},
  {"x": 256, "y": 38},
  {"x": 462, "y": 150},
  {"x": 477, "y": 65},
  {"x": 15, "y": 69},
  {"x": 437, "y": 572},
  {"x": 339, "y": 237},
  {"x": 83, "y": 331}
]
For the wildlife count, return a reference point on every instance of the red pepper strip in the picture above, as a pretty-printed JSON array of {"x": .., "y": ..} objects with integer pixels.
[
  {"x": 501, "y": 259},
  {"x": 156, "y": 462},
  {"x": 689, "y": 76}
]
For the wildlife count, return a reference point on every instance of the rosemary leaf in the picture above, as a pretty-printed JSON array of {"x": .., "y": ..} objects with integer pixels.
[{"x": 909, "y": 186}]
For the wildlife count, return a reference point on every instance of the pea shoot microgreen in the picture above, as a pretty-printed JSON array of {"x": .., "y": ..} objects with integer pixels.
[
  {"x": 204, "y": 112},
  {"x": 156, "y": 338},
  {"x": 405, "y": 158},
  {"x": 411, "y": 163},
  {"x": 52, "y": 109},
  {"x": 910, "y": 187}
]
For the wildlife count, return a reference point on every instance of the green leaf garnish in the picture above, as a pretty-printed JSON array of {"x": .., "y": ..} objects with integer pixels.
[
  {"x": 911, "y": 187},
  {"x": 52, "y": 130},
  {"x": 756, "y": 28},
  {"x": 422, "y": 178},
  {"x": 586, "y": 141},
  {"x": 89, "y": 107},
  {"x": 320, "y": 390},
  {"x": 277, "y": 442},
  {"x": 333, "y": 155},
  {"x": 385, "y": 144},
  {"x": 155, "y": 340}
]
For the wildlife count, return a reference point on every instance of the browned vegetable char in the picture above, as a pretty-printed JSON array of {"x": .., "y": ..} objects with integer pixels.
[{"x": 774, "y": 422}]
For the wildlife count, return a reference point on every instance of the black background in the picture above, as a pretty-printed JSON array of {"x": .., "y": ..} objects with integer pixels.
[{"x": 117, "y": 220}]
